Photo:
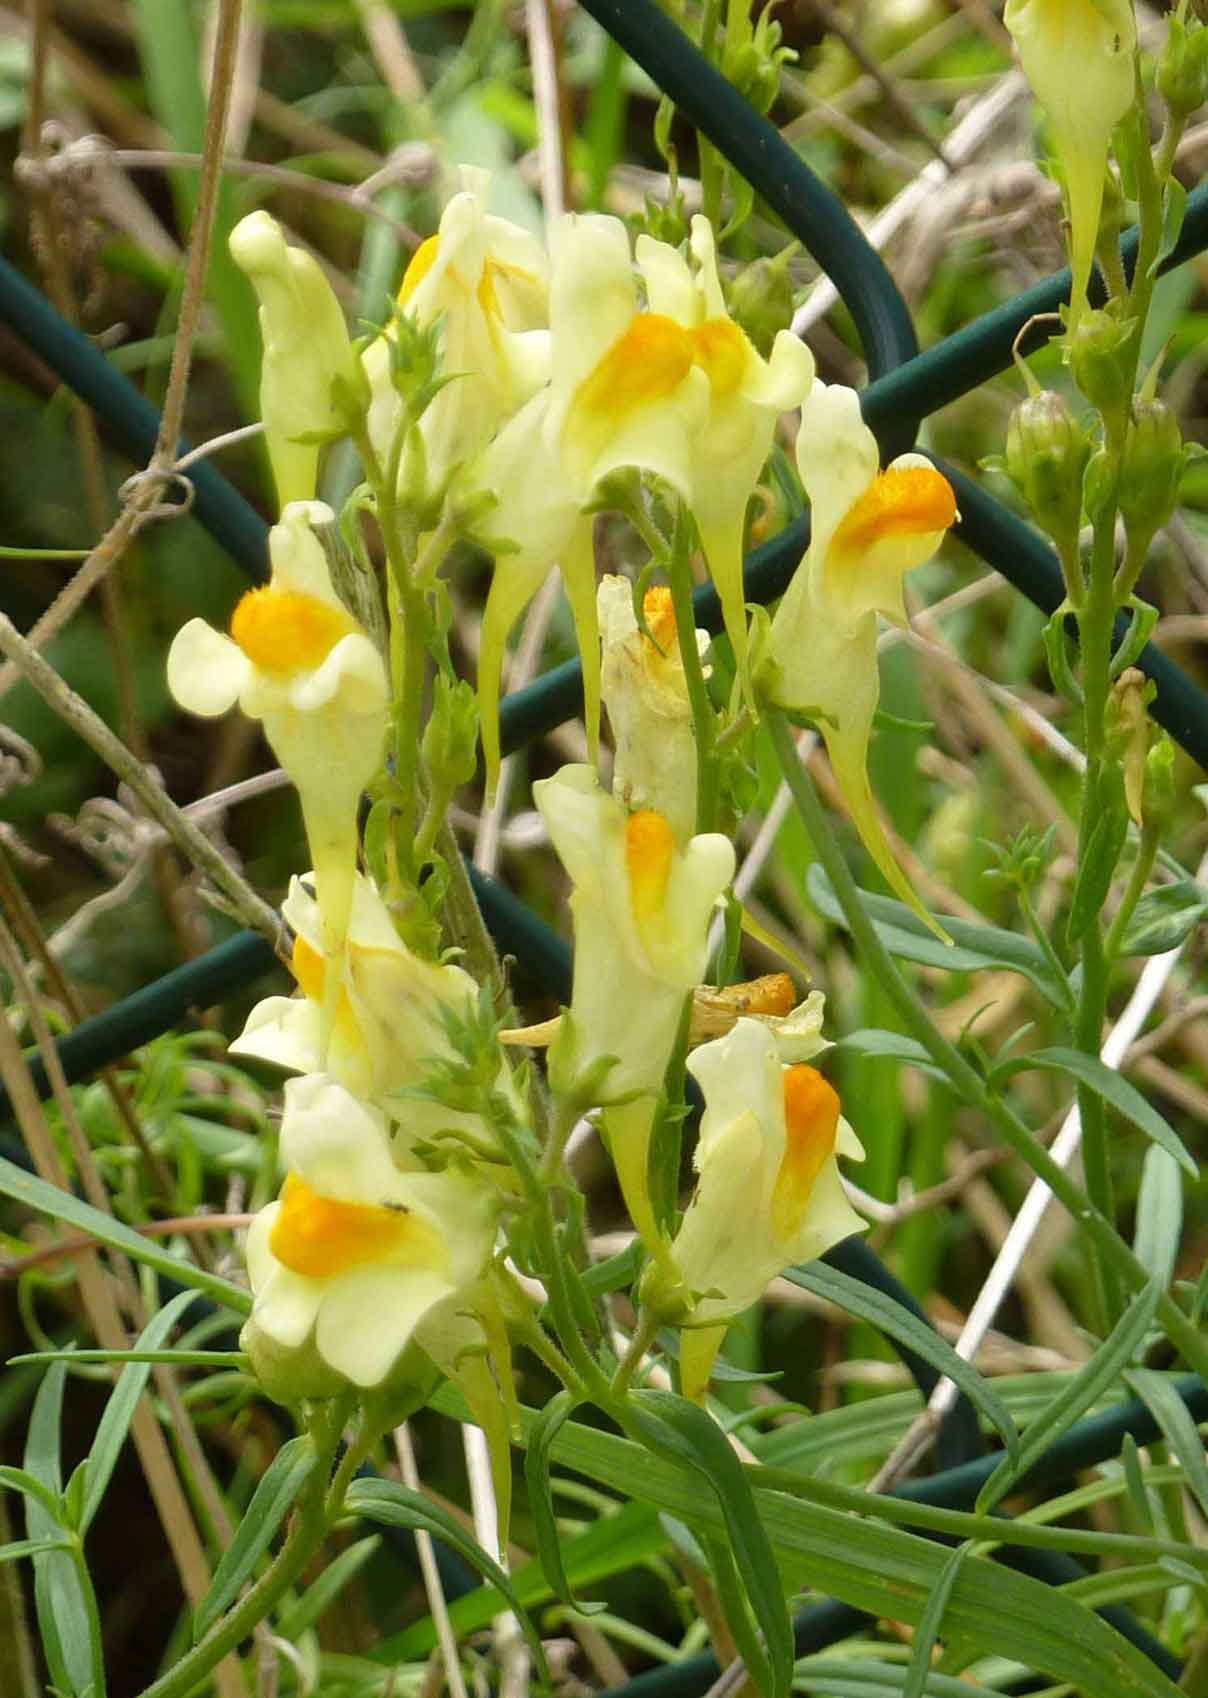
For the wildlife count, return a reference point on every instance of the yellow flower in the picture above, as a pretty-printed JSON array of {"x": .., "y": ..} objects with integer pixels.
[
  {"x": 311, "y": 386},
  {"x": 297, "y": 660},
  {"x": 485, "y": 282},
  {"x": 642, "y": 678},
  {"x": 641, "y": 908},
  {"x": 387, "y": 1027},
  {"x": 1078, "y": 57},
  {"x": 869, "y": 528},
  {"x": 624, "y": 392},
  {"x": 747, "y": 394},
  {"x": 768, "y": 1193},
  {"x": 356, "y": 1253}
]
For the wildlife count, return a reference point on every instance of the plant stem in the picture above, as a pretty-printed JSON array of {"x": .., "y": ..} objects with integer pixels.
[
  {"x": 704, "y": 719},
  {"x": 965, "y": 1080},
  {"x": 305, "y": 1536}
]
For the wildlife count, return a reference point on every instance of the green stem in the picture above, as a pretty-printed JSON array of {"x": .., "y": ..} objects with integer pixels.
[
  {"x": 703, "y": 716},
  {"x": 966, "y": 1081},
  {"x": 1046, "y": 943},
  {"x": 305, "y": 1537}
]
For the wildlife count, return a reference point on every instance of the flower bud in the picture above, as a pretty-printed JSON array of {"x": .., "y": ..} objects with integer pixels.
[
  {"x": 312, "y": 387},
  {"x": 1098, "y": 351},
  {"x": 761, "y": 299},
  {"x": 1182, "y": 76},
  {"x": 1152, "y": 469},
  {"x": 1158, "y": 792},
  {"x": 450, "y": 741},
  {"x": 1128, "y": 729},
  {"x": 289, "y": 1375},
  {"x": 1047, "y": 453}
]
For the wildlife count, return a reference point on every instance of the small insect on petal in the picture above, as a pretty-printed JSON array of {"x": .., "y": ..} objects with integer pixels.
[
  {"x": 286, "y": 631},
  {"x": 811, "y": 1115},
  {"x": 323, "y": 1236},
  {"x": 903, "y": 501},
  {"x": 649, "y": 849}
]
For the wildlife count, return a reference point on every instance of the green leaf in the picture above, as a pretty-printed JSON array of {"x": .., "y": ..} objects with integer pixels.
[
  {"x": 545, "y": 1524},
  {"x": 992, "y": 1610},
  {"x": 974, "y": 948},
  {"x": 279, "y": 1485},
  {"x": 1164, "y": 918},
  {"x": 1178, "y": 1429},
  {"x": 1174, "y": 209},
  {"x": 31, "y": 1548},
  {"x": 1113, "y": 1088},
  {"x": 613, "y": 1544},
  {"x": 119, "y": 1410},
  {"x": 928, "y": 1630},
  {"x": 47, "y": 1199},
  {"x": 1081, "y": 1394},
  {"x": 872, "y": 1040},
  {"x": 679, "y": 1428},
  {"x": 1159, "y": 1222},
  {"x": 396, "y": 1505},
  {"x": 832, "y": 1677},
  {"x": 1096, "y": 871},
  {"x": 173, "y": 1358},
  {"x": 65, "y": 1607},
  {"x": 889, "y": 1317},
  {"x": 317, "y": 1598},
  {"x": 47, "y": 1500}
]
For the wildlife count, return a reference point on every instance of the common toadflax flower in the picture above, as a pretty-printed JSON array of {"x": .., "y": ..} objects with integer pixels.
[
  {"x": 311, "y": 384},
  {"x": 869, "y": 528},
  {"x": 1078, "y": 57},
  {"x": 357, "y": 1253},
  {"x": 388, "y": 1024},
  {"x": 485, "y": 282},
  {"x": 641, "y": 907},
  {"x": 768, "y": 1194},
  {"x": 645, "y": 693},
  {"x": 297, "y": 660}
]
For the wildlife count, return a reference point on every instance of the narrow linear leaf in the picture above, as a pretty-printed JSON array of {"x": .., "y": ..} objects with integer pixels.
[
  {"x": 62, "y": 1599},
  {"x": 317, "y": 1598},
  {"x": 47, "y": 1199},
  {"x": 1113, "y": 1088},
  {"x": 1159, "y": 1225},
  {"x": 928, "y": 1630},
  {"x": 733, "y": 1598},
  {"x": 871, "y": 1040},
  {"x": 868, "y": 1679},
  {"x": 396, "y": 1505},
  {"x": 880, "y": 1311},
  {"x": 1178, "y": 1429},
  {"x": 545, "y": 1524},
  {"x": 280, "y": 1484},
  {"x": 30, "y": 1548},
  {"x": 1082, "y": 1392},
  {"x": 119, "y": 1410},
  {"x": 974, "y": 948},
  {"x": 1096, "y": 871},
  {"x": 679, "y": 1428},
  {"x": 173, "y": 1358},
  {"x": 48, "y": 1511}
]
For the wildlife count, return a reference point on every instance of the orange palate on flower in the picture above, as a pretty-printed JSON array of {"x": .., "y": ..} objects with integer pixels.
[
  {"x": 284, "y": 631},
  {"x": 321, "y": 1236},
  {"x": 421, "y": 263},
  {"x": 658, "y": 610},
  {"x": 649, "y": 848},
  {"x": 811, "y": 1117},
  {"x": 722, "y": 349},
  {"x": 648, "y": 362},
  {"x": 904, "y": 501}
]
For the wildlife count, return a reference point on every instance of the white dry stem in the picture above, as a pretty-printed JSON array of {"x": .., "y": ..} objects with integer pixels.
[
  {"x": 1148, "y": 989},
  {"x": 960, "y": 145},
  {"x": 510, "y": 1648},
  {"x": 431, "y": 1575},
  {"x": 543, "y": 62}
]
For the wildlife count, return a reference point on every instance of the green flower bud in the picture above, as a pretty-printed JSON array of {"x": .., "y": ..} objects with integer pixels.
[
  {"x": 1182, "y": 76},
  {"x": 1098, "y": 483},
  {"x": 1098, "y": 352},
  {"x": 289, "y": 1376},
  {"x": 450, "y": 741},
  {"x": 1127, "y": 727},
  {"x": 1047, "y": 454},
  {"x": 761, "y": 299},
  {"x": 1153, "y": 468}
]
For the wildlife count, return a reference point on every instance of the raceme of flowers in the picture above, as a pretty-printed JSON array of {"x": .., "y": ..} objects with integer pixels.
[{"x": 598, "y": 372}]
